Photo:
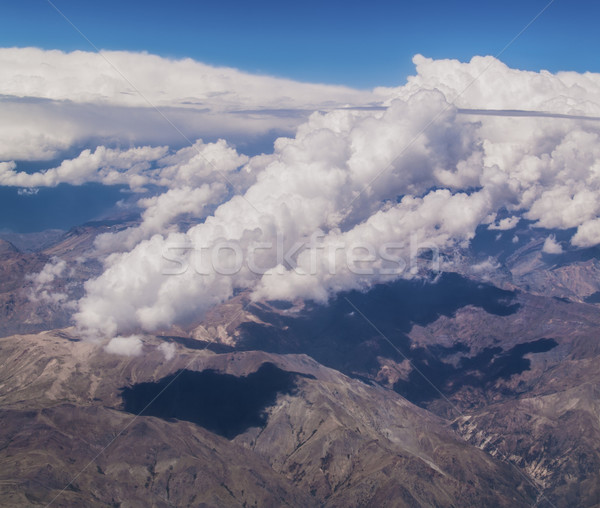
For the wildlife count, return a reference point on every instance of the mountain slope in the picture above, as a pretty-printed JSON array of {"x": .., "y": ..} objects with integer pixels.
[{"x": 327, "y": 440}]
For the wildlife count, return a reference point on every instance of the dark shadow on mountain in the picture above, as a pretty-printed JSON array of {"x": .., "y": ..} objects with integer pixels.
[
  {"x": 224, "y": 404},
  {"x": 562, "y": 299},
  {"x": 336, "y": 335},
  {"x": 593, "y": 298},
  {"x": 280, "y": 304},
  {"x": 431, "y": 376}
]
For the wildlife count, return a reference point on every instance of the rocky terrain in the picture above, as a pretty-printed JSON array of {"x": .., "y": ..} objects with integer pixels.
[
  {"x": 26, "y": 304},
  {"x": 460, "y": 389},
  {"x": 326, "y": 439}
]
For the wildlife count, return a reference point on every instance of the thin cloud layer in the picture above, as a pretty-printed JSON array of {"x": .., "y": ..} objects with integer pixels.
[
  {"x": 132, "y": 79},
  {"x": 52, "y": 100}
]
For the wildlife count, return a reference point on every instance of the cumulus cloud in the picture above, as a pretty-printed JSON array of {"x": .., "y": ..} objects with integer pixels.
[
  {"x": 487, "y": 83},
  {"x": 588, "y": 234},
  {"x": 196, "y": 177},
  {"x": 313, "y": 181},
  {"x": 125, "y": 346},
  {"x": 168, "y": 349},
  {"x": 378, "y": 178},
  {"x": 440, "y": 220},
  {"x": 103, "y": 165},
  {"x": 384, "y": 184},
  {"x": 137, "y": 167},
  {"x": 505, "y": 224},
  {"x": 551, "y": 246}
]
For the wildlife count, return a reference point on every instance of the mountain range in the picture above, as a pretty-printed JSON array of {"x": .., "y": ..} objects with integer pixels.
[{"x": 459, "y": 388}]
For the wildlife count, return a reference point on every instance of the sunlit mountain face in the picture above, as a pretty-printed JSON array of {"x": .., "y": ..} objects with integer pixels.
[{"x": 224, "y": 287}]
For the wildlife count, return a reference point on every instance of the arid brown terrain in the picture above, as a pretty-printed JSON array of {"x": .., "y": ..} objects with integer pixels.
[{"x": 453, "y": 391}]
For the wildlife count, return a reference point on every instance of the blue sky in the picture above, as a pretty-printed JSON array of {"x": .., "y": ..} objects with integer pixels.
[{"x": 348, "y": 42}]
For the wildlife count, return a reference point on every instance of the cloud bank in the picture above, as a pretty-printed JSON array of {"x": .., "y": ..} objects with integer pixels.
[
  {"x": 418, "y": 169},
  {"x": 51, "y": 101},
  {"x": 383, "y": 183}
]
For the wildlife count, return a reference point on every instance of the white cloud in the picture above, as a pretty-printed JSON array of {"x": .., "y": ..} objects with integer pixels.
[
  {"x": 422, "y": 168},
  {"x": 44, "y": 287},
  {"x": 505, "y": 224},
  {"x": 168, "y": 349},
  {"x": 56, "y": 267},
  {"x": 311, "y": 181},
  {"x": 551, "y": 246},
  {"x": 85, "y": 77},
  {"x": 487, "y": 83},
  {"x": 137, "y": 167},
  {"x": 197, "y": 177},
  {"x": 588, "y": 234},
  {"x": 51, "y": 101},
  {"x": 440, "y": 220},
  {"x": 483, "y": 268},
  {"x": 320, "y": 180},
  {"x": 104, "y": 165},
  {"x": 125, "y": 346}
]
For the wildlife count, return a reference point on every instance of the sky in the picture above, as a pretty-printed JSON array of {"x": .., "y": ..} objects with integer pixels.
[{"x": 355, "y": 43}]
